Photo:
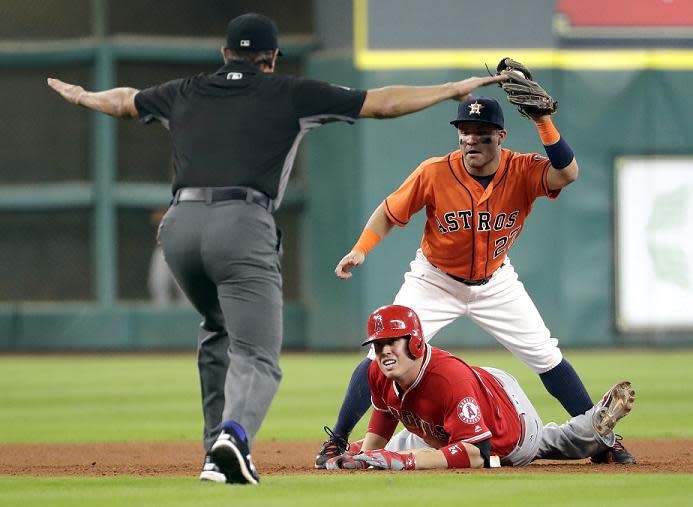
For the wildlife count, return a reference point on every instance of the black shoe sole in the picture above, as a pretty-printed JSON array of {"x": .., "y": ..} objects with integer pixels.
[
  {"x": 325, "y": 458},
  {"x": 231, "y": 463}
]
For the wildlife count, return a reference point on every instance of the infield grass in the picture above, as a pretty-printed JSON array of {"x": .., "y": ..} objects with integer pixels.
[
  {"x": 440, "y": 490},
  {"x": 90, "y": 398}
]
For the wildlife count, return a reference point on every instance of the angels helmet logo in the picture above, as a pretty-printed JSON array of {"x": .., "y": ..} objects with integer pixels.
[
  {"x": 475, "y": 108},
  {"x": 468, "y": 411},
  {"x": 378, "y": 324}
]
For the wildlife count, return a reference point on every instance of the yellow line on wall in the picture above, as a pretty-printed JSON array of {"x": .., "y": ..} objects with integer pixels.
[
  {"x": 626, "y": 59},
  {"x": 360, "y": 26},
  {"x": 535, "y": 58}
]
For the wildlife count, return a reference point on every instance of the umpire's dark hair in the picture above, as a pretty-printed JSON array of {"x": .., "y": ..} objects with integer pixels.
[{"x": 257, "y": 58}]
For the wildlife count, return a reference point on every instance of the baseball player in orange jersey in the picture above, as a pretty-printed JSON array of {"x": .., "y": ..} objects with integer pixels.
[{"x": 477, "y": 199}]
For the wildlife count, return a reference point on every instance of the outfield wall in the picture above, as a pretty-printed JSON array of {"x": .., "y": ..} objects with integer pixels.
[
  {"x": 78, "y": 191},
  {"x": 566, "y": 256}
]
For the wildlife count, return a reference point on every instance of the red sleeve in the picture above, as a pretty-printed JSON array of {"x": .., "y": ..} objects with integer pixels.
[
  {"x": 375, "y": 379},
  {"x": 464, "y": 420},
  {"x": 409, "y": 198},
  {"x": 535, "y": 167},
  {"x": 382, "y": 422}
]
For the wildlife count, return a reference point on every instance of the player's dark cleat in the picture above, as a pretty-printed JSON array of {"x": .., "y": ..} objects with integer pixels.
[
  {"x": 231, "y": 455},
  {"x": 614, "y": 406},
  {"x": 334, "y": 446},
  {"x": 210, "y": 471},
  {"x": 617, "y": 454}
]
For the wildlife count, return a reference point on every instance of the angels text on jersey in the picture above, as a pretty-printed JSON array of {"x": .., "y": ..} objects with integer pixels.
[{"x": 413, "y": 422}]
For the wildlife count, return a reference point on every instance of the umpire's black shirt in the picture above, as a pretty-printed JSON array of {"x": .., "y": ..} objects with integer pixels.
[{"x": 241, "y": 126}]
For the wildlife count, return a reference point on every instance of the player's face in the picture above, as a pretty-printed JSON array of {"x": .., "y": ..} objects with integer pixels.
[
  {"x": 480, "y": 144},
  {"x": 393, "y": 357}
]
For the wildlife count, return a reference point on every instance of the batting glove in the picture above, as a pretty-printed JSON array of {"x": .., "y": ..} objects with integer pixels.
[
  {"x": 386, "y": 460},
  {"x": 345, "y": 461}
]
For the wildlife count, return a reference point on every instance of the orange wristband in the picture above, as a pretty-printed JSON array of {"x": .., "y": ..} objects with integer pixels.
[
  {"x": 548, "y": 133},
  {"x": 367, "y": 241}
]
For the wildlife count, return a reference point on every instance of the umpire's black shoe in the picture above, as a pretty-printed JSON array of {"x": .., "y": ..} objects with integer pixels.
[
  {"x": 231, "y": 455},
  {"x": 334, "y": 446},
  {"x": 617, "y": 454},
  {"x": 210, "y": 471}
]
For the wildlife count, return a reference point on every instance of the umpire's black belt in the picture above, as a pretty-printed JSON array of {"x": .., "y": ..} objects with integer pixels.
[{"x": 216, "y": 194}]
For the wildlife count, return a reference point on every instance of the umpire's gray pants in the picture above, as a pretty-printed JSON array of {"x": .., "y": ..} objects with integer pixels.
[{"x": 225, "y": 256}]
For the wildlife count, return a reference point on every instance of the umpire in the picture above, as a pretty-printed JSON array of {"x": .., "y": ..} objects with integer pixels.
[{"x": 235, "y": 133}]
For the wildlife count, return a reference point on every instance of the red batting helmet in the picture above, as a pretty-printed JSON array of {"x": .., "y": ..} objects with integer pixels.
[{"x": 395, "y": 321}]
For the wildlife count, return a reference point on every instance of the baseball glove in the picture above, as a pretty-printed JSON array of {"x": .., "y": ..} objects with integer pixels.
[{"x": 528, "y": 95}]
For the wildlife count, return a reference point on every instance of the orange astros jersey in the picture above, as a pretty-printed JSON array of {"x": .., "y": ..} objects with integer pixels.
[{"x": 469, "y": 228}]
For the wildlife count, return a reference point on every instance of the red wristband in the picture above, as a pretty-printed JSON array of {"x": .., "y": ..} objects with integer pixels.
[
  {"x": 456, "y": 455},
  {"x": 409, "y": 461}
]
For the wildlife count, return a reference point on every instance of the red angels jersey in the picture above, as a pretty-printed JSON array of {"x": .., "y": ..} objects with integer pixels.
[
  {"x": 469, "y": 228},
  {"x": 449, "y": 402}
]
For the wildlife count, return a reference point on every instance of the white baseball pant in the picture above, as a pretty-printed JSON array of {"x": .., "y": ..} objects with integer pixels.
[{"x": 501, "y": 307}]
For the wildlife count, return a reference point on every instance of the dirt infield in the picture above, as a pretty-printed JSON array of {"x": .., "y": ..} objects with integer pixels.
[{"x": 276, "y": 458}]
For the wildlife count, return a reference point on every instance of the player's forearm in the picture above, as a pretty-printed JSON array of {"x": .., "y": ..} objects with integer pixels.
[
  {"x": 429, "y": 459},
  {"x": 458, "y": 455},
  {"x": 564, "y": 167},
  {"x": 379, "y": 223},
  {"x": 377, "y": 227},
  {"x": 373, "y": 441}
]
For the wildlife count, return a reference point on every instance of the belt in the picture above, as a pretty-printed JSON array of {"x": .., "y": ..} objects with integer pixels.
[
  {"x": 482, "y": 281},
  {"x": 216, "y": 194},
  {"x": 473, "y": 283}
]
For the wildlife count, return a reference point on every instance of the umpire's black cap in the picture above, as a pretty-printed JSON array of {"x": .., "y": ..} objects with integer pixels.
[
  {"x": 251, "y": 32},
  {"x": 481, "y": 109}
]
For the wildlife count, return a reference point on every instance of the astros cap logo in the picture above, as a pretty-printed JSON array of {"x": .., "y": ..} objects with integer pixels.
[{"x": 475, "y": 108}]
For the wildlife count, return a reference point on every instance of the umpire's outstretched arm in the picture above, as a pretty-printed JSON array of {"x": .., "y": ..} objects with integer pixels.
[
  {"x": 118, "y": 102},
  {"x": 386, "y": 102},
  {"x": 393, "y": 101}
]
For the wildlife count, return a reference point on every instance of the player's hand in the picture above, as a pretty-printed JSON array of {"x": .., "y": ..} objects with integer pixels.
[
  {"x": 69, "y": 92},
  {"x": 381, "y": 459},
  {"x": 467, "y": 86},
  {"x": 345, "y": 462},
  {"x": 349, "y": 261}
]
